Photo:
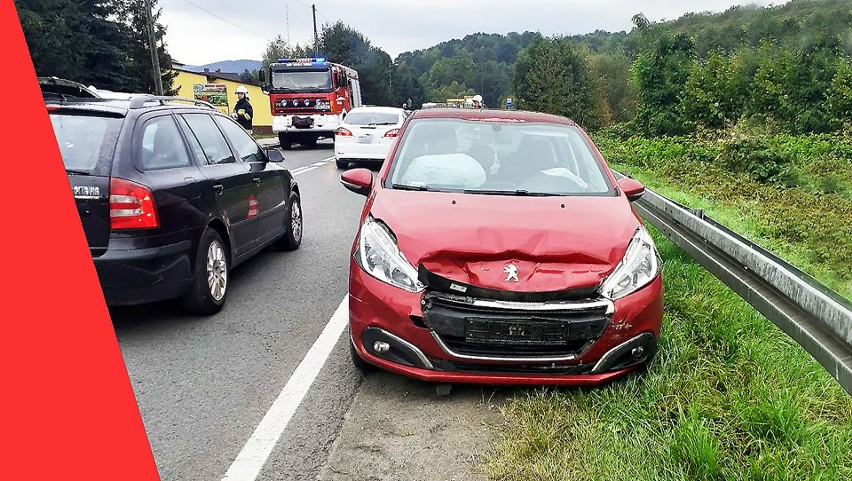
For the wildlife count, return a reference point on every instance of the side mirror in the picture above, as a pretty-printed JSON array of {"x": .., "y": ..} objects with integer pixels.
[
  {"x": 632, "y": 188},
  {"x": 274, "y": 155},
  {"x": 261, "y": 75},
  {"x": 359, "y": 181}
]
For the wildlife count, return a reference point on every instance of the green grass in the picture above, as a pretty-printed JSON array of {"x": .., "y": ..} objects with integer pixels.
[
  {"x": 811, "y": 230},
  {"x": 729, "y": 396}
]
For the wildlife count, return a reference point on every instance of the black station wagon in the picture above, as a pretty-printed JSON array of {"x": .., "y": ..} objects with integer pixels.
[{"x": 172, "y": 194}]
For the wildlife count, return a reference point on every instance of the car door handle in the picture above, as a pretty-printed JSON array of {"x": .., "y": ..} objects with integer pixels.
[
  {"x": 256, "y": 180},
  {"x": 219, "y": 189}
]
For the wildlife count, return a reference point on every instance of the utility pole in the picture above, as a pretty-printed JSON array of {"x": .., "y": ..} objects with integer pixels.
[
  {"x": 316, "y": 37},
  {"x": 152, "y": 43}
]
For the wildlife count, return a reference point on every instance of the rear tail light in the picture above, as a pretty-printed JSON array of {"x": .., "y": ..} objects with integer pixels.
[
  {"x": 343, "y": 132},
  {"x": 392, "y": 133},
  {"x": 131, "y": 206}
]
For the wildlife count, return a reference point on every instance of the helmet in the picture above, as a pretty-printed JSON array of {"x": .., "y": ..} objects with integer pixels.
[
  {"x": 242, "y": 89},
  {"x": 477, "y": 98}
]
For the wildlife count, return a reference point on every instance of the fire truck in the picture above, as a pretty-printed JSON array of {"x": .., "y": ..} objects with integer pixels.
[{"x": 309, "y": 97}]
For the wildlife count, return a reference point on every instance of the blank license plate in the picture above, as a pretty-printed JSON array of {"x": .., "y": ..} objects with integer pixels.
[
  {"x": 365, "y": 139},
  {"x": 516, "y": 332}
]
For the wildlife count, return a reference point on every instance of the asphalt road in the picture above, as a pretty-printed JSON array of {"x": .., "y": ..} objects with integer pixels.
[{"x": 204, "y": 384}]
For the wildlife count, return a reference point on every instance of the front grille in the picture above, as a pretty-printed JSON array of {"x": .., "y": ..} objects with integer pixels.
[{"x": 493, "y": 329}]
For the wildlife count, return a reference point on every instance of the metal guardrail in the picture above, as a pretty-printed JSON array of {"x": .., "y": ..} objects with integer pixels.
[{"x": 817, "y": 318}]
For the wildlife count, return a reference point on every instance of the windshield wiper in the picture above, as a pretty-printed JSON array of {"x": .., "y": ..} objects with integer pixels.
[
  {"x": 518, "y": 192},
  {"x": 409, "y": 187},
  {"x": 382, "y": 123},
  {"x": 77, "y": 172}
]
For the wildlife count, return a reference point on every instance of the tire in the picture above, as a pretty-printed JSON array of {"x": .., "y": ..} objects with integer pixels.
[
  {"x": 362, "y": 365},
  {"x": 309, "y": 142},
  {"x": 209, "y": 290},
  {"x": 285, "y": 141},
  {"x": 341, "y": 163},
  {"x": 293, "y": 226}
]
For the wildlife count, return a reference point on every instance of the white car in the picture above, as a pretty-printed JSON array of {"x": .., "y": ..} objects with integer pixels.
[{"x": 367, "y": 134}]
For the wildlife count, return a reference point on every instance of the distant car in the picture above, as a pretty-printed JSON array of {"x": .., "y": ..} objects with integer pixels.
[
  {"x": 497, "y": 247},
  {"x": 172, "y": 196},
  {"x": 366, "y": 134}
]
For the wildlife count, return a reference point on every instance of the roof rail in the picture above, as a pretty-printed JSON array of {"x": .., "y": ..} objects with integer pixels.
[{"x": 140, "y": 101}]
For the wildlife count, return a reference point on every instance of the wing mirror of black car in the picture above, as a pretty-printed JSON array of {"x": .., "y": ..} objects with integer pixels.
[
  {"x": 359, "y": 181},
  {"x": 274, "y": 155},
  {"x": 632, "y": 188}
]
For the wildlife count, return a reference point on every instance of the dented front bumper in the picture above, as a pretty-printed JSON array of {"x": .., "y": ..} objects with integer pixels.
[{"x": 389, "y": 330}]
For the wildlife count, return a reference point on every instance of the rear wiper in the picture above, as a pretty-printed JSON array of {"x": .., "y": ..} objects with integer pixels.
[
  {"x": 77, "y": 172},
  {"x": 409, "y": 187}
]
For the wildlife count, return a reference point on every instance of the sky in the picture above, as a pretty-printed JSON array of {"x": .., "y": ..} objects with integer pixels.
[{"x": 205, "y": 31}]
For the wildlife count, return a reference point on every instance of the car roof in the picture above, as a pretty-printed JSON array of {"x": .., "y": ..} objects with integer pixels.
[
  {"x": 490, "y": 114},
  {"x": 375, "y": 108},
  {"x": 133, "y": 102}
]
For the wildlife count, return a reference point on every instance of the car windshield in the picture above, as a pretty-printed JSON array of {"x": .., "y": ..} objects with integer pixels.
[
  {"x": 371, "y": 118},
  {"x": 497, "y": 158},
  {"x": 86, "y": 142},
  {"x": 303, "y": 81}
]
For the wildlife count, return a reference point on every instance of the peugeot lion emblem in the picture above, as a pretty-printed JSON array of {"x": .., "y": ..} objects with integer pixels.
[{"x": 511, "y": 271}]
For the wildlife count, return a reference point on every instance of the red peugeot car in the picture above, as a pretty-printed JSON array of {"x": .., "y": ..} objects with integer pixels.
[{"x": 496, "y": 247}]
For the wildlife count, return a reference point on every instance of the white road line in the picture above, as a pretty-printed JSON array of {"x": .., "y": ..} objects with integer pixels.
[
  {"x": 257, "y": 449},
  {"x": 307, "y": 168}
]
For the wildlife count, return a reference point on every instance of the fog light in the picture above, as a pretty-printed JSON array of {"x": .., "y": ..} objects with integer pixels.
[
  {"x": 638, "y": 351},
  {"x": 381, "y": 347}
]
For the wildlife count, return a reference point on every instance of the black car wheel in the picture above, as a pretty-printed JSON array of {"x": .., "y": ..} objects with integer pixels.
[
  {"x": 208, "y": 291},
  {"x": 293, "y": 226},
  {"x": 285, "y": 141},
  {"x": 362, "y": 365},
  {"x": 342, "y": 164},
  {"x": 309, "y": 142}
]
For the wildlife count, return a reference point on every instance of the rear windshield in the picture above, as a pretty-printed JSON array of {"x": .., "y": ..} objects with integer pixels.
[
  {"x": 371, "y": 118},
  {"x": 86, "y": 142},
  {"x": 497, "y": 158}
]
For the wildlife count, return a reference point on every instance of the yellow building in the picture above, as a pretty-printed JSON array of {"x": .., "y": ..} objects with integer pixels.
[{"x": 219, "y": 88}]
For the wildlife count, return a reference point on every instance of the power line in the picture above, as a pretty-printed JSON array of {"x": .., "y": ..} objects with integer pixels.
[
  {"x": 318, "y": 11},
  {"x": 225, "y": 19}
]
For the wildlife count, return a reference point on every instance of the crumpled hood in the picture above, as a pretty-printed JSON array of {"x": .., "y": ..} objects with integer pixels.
[{"x": 475, "y": 239}]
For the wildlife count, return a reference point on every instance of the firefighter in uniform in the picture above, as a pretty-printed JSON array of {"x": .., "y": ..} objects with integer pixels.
[{"x": 243, "y": 112}]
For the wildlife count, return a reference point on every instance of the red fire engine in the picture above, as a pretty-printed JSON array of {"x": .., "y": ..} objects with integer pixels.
[{"x": 309, "y": 98}]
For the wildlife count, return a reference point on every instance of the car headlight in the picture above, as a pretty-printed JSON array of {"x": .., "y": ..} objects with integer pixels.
[
  {"x": 379, "y": 256},
  {"x": 640, "y": 265}
]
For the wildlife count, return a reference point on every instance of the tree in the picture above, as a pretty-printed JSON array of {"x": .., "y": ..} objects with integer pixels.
[
  {"x": 406, "y": 86},
  {"x": 551, "y": 76},
  {"x": 660, "y": 73},
  {"x": 106, "y": 64},
  {"x": 250, "y": 77},
  {"x": 840, "y": 95},
  {"x": 345, "y": 45},
  {"x": 139, "y": 53},
  {"x": 342, "y": 44},
  {"x": 57, "y": 36},
  {"x": 277, "y": 48},
  {"x": 611, "y": 72}
]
